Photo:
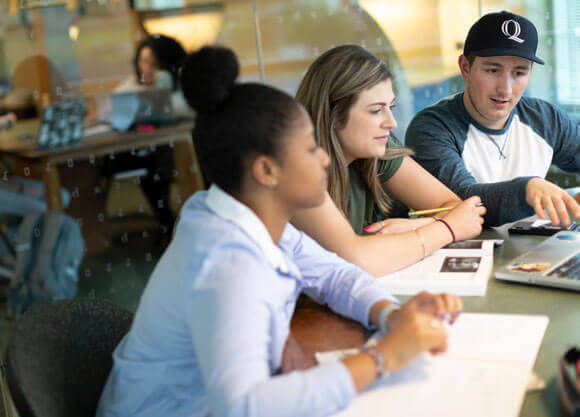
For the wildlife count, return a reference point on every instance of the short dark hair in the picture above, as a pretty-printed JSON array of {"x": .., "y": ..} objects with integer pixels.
[
  {"x": 235, "y": 122},
  {"x": 470, "y": 58},
  {"x": 168, "y": 52}
]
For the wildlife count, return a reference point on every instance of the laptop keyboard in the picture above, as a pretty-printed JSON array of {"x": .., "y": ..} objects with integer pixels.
[{"x": 569, "y": 269}]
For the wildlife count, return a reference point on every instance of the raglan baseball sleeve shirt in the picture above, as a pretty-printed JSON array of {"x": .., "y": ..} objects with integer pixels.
[{"x": 494, "y": 164}]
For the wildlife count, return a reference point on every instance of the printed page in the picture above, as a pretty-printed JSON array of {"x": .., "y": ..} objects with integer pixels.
[
  {"x": 496, "y": 337},
  {"x": 463, "y": 269},
  {"x": 445, "y": 388},
  {"x": 484, "y": 372},
  {"x": 467, "y": 248}
]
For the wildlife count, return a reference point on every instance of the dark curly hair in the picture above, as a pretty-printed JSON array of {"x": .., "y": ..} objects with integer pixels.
[
  {"x": 235, "y": 121},
  {"x": 169, "y": 55}
]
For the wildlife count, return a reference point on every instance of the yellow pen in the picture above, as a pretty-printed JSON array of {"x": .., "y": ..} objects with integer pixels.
[
  {"x": 433, "y": 211},
  {"x": 430, "y": 211}
]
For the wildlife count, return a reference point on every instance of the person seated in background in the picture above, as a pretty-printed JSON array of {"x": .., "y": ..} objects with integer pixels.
[
  {"x": 491, "y": 141},
  {"x": 211, "y": 326},
  {"x": 348, "y": 92},
  {"x": 156, "y": 63},
  {"x": 19, "y": 197}
]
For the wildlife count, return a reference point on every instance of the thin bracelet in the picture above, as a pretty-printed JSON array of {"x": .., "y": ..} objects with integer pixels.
[
  {"x": 449, "y": 227},
  {"x": 420, "y": 236},
  {"x": 378, "y": 359}
]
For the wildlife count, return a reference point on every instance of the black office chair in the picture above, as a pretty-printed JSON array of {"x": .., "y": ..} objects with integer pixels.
[{"x": 61, "y": 354}]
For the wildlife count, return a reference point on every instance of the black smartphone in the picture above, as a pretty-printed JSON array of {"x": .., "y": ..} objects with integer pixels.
[{"x": 525, "y": 228}]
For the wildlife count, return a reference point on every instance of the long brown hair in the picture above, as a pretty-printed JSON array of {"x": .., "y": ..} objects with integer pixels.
[{"x": 330, "y": 87}]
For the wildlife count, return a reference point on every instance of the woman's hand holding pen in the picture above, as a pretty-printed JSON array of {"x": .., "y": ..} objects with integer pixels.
[
  {"x": 425, "y": 315},
  {"x": 466, "y": 218},
  {"x": 415, "y": 333},
  {"x": 417, "y": 326},
  {"x": 442, "y": 306}
]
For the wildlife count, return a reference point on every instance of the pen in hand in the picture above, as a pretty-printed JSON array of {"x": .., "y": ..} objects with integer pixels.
[
  {"x": 433, "y": 211},
  {"x": 430, "y": 211}
]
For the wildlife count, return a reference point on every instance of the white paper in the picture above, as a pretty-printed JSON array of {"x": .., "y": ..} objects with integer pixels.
[
  {"x": 539, "y": 223},
  {"x": 483, "y": 373},
  {"x": 426, "y": 275}
]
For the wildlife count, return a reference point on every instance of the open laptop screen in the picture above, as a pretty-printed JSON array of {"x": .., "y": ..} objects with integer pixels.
[{"x": 152, "y": 106}]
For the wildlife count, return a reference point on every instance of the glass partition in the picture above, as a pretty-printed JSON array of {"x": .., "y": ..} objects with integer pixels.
[
  {"x": 54, "y": 49},
  {"x": 91, "y": 42}
]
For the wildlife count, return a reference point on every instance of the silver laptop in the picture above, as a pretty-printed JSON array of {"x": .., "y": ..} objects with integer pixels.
[
  {"x": 555, "y": 262},
  {"x": 130, "y": 108}
]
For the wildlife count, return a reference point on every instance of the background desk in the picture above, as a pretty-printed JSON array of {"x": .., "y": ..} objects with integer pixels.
[
  {"x": 45, "y": 162},
  {"x": 316, "y": 328}
]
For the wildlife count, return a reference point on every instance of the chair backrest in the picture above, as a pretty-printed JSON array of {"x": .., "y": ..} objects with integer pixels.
[
  {"x": 61, "y": 354},
  {"x": 38, "y": 73}
]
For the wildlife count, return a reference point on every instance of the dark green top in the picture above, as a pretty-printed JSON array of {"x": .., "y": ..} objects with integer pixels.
[{"x": 360, "y": 202}]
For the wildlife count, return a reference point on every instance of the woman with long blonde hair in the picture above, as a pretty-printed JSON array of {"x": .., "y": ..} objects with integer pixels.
[{"x": 348, "y": 92}]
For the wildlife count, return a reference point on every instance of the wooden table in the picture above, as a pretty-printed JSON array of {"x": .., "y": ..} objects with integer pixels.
[
  {"x": 45, "y": 162},
  {"x": 315, "y": 328}
]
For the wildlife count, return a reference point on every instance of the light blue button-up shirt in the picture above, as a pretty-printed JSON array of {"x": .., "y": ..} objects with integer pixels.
[{"x": 212, "y": 323}]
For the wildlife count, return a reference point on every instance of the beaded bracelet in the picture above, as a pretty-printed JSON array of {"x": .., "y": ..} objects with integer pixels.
[
  {"x": 449, "y": 227},
  {"x": 378, "y": 359}
]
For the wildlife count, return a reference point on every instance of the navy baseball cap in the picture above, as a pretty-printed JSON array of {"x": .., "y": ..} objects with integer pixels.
[{"x": 503, "y": 34}]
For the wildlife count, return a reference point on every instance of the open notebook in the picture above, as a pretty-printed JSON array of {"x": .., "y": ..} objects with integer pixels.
[
  {"x": 484, "y": 372},
  {"x": 461, "y": 268}
]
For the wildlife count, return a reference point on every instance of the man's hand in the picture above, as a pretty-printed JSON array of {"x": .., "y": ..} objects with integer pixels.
[{"x": 543, "y": 195}]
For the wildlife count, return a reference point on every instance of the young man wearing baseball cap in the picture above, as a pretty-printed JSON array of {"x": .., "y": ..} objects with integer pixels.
[{"x": 492, "y": 142}]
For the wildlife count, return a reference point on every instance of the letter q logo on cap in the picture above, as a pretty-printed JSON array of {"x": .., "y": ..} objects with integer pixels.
[{"x": 505, "y": 28}]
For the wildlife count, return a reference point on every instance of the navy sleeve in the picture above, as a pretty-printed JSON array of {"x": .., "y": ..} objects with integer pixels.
[
  {"x": 560, "y": 131},
  {"x": 438, "y": 144}
]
